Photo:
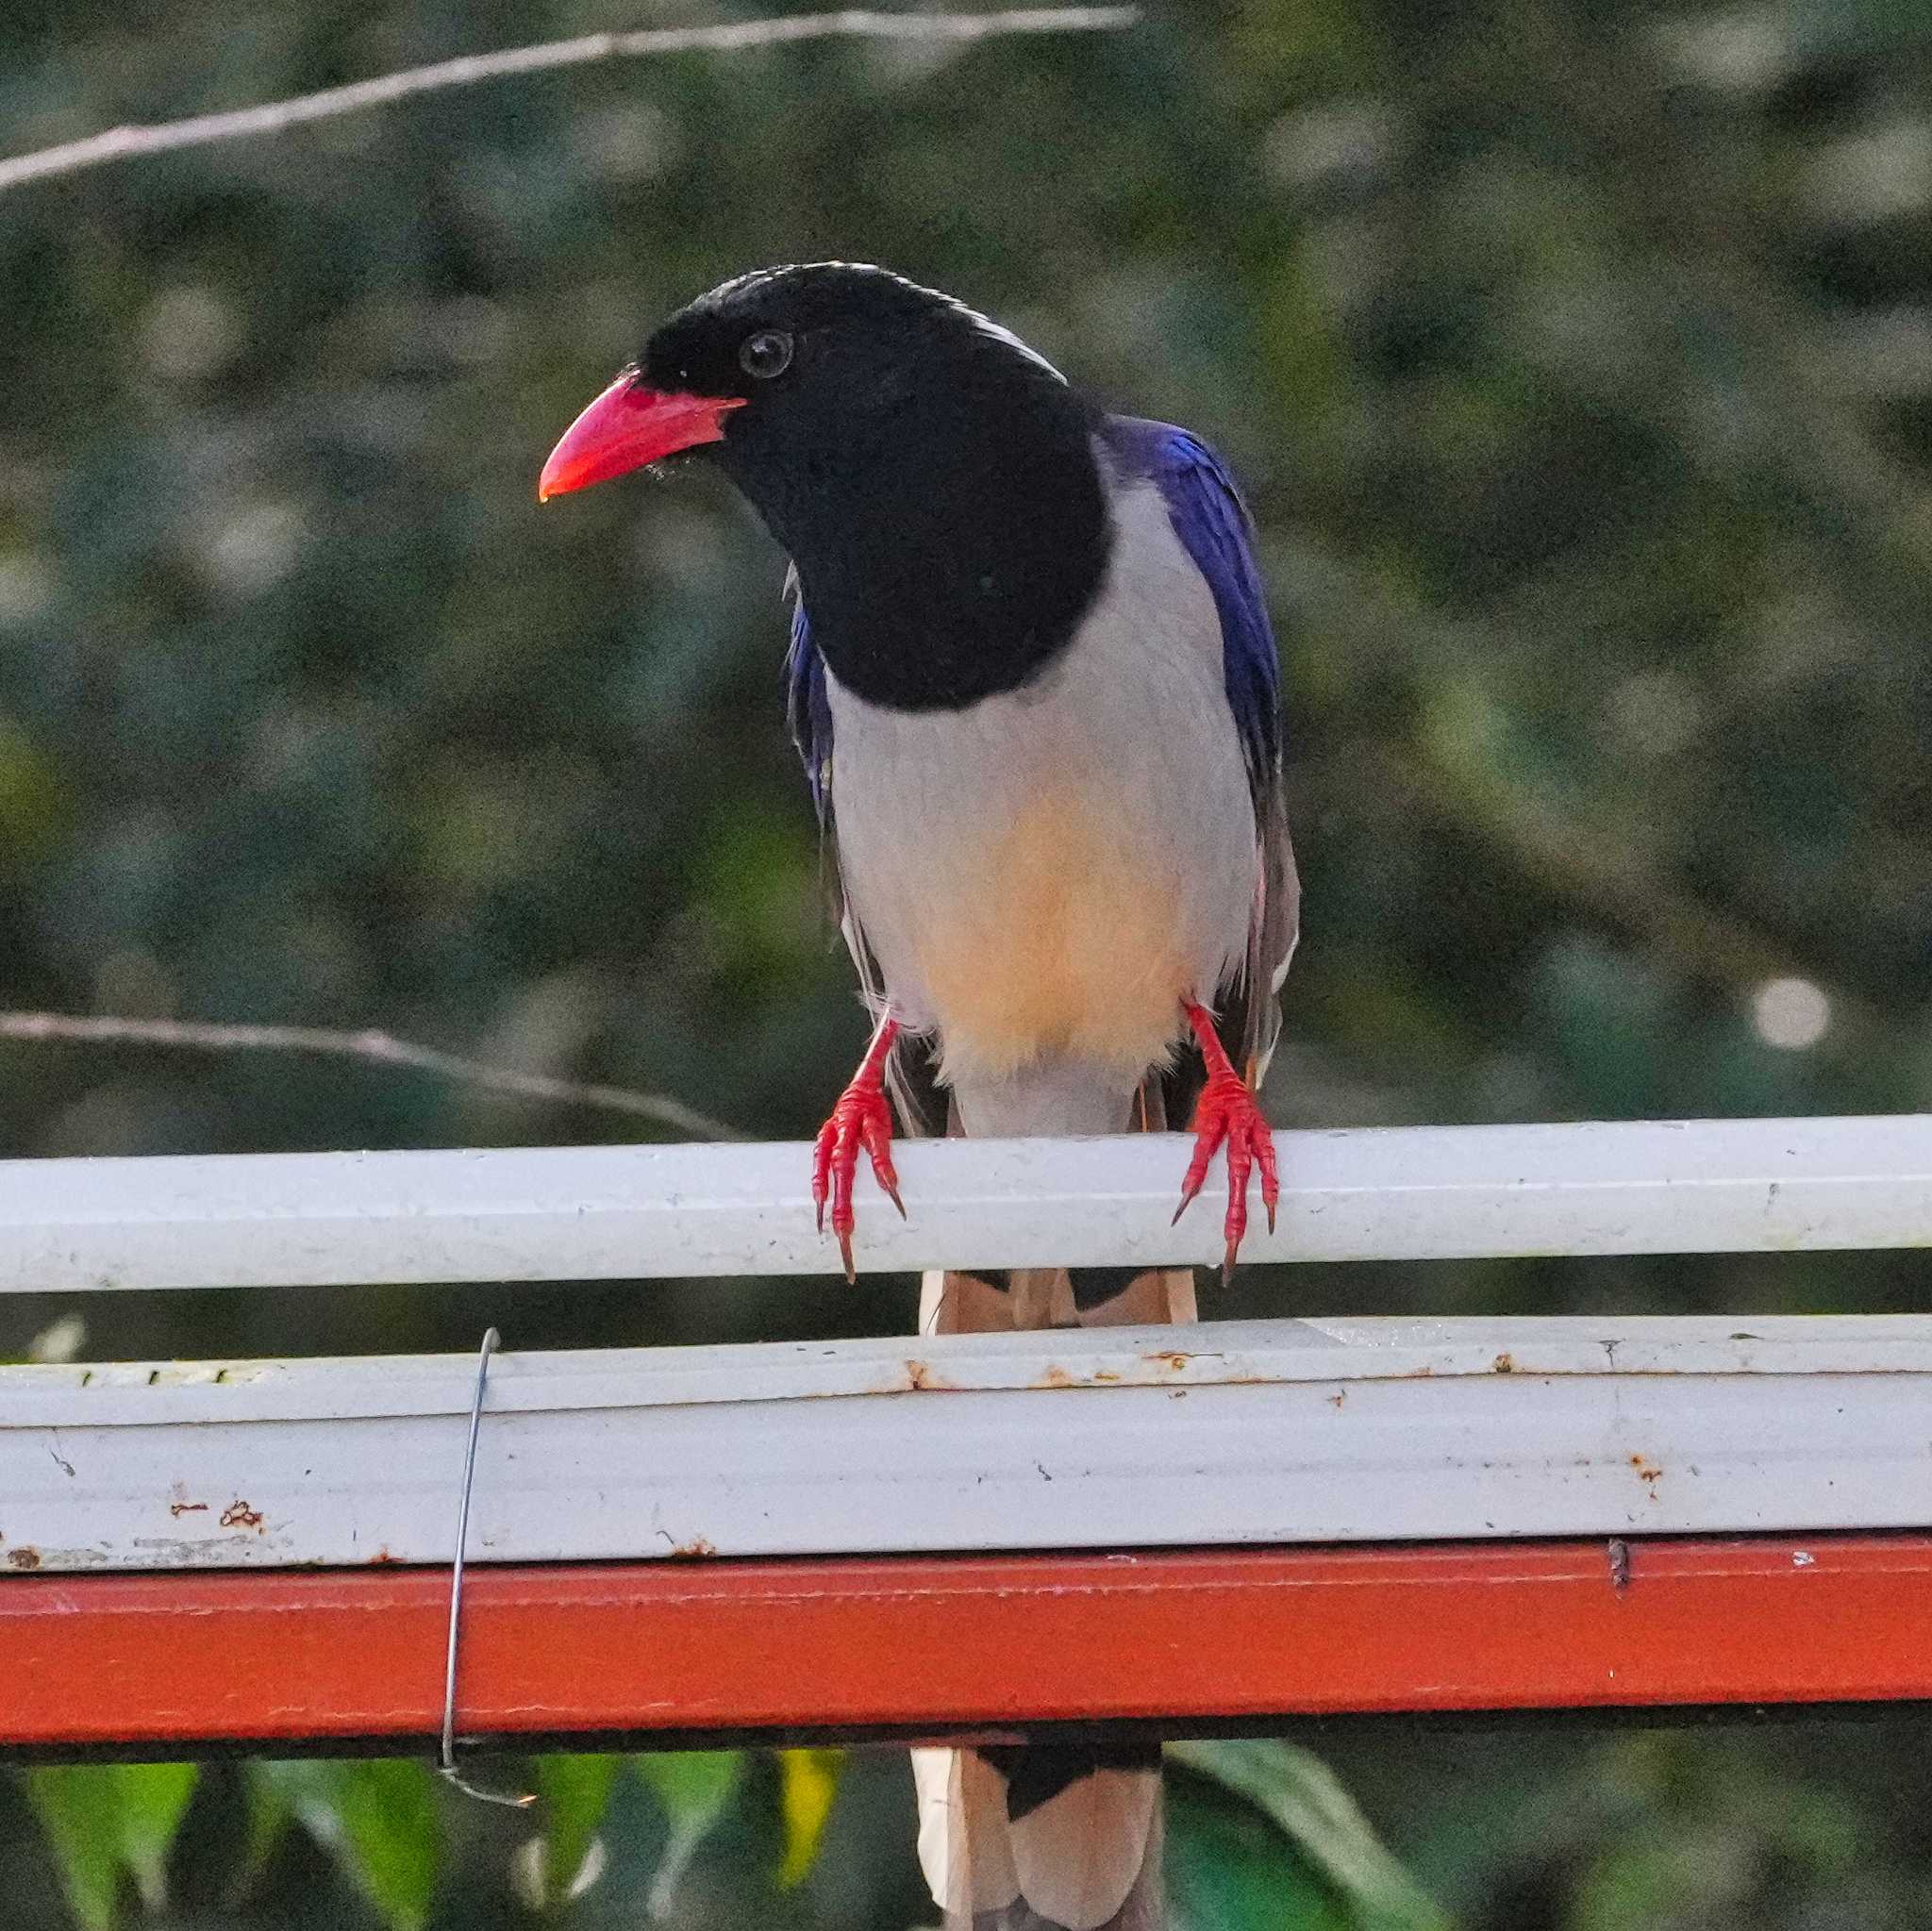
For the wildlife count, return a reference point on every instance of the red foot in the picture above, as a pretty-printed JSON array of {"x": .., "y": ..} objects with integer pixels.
[
  {"x": 1228, "y": 1111},
  {"x": 861, "y": 1118}
]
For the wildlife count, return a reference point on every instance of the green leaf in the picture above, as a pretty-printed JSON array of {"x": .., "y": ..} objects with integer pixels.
[
  {"x": 378, "y": 1818},
  {"x": 576, "y": 1791},
  {"x": 270, "y": 1815},
  {"x": 154, "y": 1798},
  {"x": 1301, "y": 1796},
  {"x": 1230, "y": 1868},
  {"x": 694, "y": 1787},
  {"x": 104, "y": 1821},
  {"x": 74, "y": 1806},
  {"x": 809, "y": 1782}
]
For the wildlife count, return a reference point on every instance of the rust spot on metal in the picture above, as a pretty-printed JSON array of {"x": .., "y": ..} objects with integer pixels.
[
  {"x": 693, "y": 1550},
  {"x": 237, "y": 1515},
  {"x": 1105, "y": 1375},
  {"x": 920, "y": 1376},
  {"x": 1648, "y": 1472},
  {"x": 1503, "y": 1364},
  {"x": 1336, "y": 1400},
  {"x": 23, "y": 1557},
  {"x": 181, "y": 1508},
  {"x": 1055, "y": 1376},
  {"x": 1172, "y": 1358},
  {"x": 382, "y": 1554}
]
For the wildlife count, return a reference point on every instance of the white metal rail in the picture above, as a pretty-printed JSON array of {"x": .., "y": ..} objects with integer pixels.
[
  {"x": 1263, "y": 1433},
  {"x": 1267, "y": 1432},
  {"x": 1409, "y": 1194}
]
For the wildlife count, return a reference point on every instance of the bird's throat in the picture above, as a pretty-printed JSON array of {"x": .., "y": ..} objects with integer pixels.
[{"x": 944, "y": 567}]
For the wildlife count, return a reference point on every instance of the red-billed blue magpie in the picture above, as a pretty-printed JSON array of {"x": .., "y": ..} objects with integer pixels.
[{"x": 1033, "y": 682}]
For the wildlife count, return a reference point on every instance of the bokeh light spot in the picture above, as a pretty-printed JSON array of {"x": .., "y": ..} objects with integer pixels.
[{"x": 1790, "y": 1014}]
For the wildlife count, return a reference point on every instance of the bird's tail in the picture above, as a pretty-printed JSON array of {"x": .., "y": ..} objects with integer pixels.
[
  {"x": 1048, "y": 1837},
  {"x": 1043, "y": 1837}
]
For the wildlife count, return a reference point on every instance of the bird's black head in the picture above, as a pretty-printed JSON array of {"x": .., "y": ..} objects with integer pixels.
[{"x": 933, "y": 479}]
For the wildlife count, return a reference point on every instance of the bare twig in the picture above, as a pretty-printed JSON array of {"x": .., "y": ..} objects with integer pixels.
[
  {"x": 379, "y": 1048},
  {"x": 122, "y": 144}
]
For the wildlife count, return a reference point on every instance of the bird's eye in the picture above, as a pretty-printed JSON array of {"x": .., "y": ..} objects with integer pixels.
[{"x": 766, "y": 354}]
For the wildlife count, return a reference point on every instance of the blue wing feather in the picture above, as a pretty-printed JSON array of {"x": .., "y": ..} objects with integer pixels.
[
  {"x": 1214, "y": 528},
  {"x": 807, "y": 709},
  {"x": 808, "y": 712}
]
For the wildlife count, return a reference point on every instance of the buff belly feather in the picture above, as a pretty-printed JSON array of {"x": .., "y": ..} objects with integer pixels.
[{"x": 1044, "y": 877}]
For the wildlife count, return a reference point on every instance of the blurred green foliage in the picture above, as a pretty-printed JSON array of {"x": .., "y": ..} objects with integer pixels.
[
  {"x": 103, "y": 1824},
  {"x": 1259, "y": 1835},
  {"x": 1578, "y": 361}
]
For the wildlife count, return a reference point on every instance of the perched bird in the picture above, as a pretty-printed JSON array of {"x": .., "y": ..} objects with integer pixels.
[{"x": 1032, "y": 679}]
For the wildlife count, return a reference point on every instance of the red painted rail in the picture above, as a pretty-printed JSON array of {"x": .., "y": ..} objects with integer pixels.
[{"x": 961, "y": 1643}]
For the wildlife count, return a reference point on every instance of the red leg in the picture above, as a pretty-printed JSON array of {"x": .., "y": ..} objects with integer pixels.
[
  {"x": 863, "y": 1118},
  {"x": 1228, "y": 1111}
]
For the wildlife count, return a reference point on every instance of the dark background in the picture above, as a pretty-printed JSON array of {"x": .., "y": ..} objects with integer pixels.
[{"x": 1577, "y": 361}]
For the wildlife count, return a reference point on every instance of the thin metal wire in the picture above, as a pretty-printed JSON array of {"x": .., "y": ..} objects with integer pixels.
[{"x": 448, "y": 1765}]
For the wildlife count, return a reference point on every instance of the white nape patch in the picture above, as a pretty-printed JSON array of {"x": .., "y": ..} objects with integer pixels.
[
  {"x": 981, "y": 324},
  {"x": 984, "y": 325}
]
